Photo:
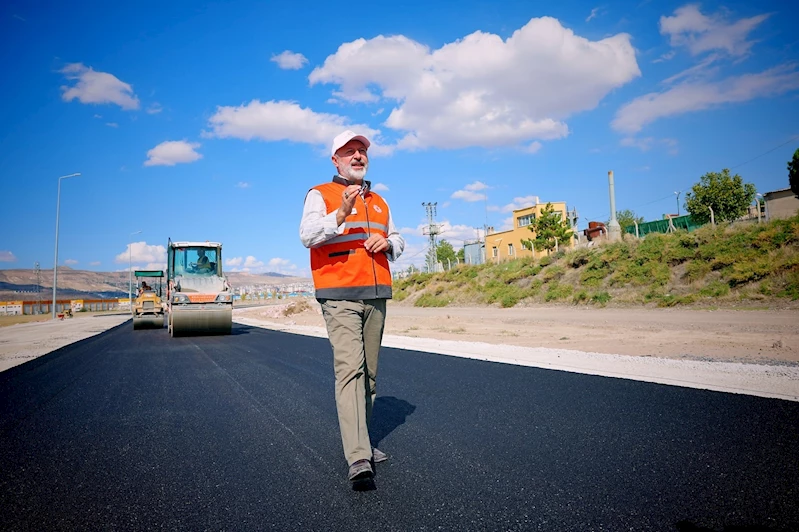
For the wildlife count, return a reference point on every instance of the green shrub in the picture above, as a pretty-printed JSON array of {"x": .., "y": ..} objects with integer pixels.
[
  {"x": 558, "y": 291},
  {"x": 696, "y": 270},
  {"x": 509, "y": 300},
  {"x": 670, "y": 300},
  {"x": 601, "y": 298},
  {"x": 715, "y": 289},
  {"x": 579, "y": 257},
  {"x": 791, "y": 288},
  {"x": 553, "y": 273},
  {"x": 429, "y": 300},
  {"x": 747, "y": 271}
]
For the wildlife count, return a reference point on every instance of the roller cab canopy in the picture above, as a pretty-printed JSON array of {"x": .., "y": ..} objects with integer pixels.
[{"x": 148, "y": 273}]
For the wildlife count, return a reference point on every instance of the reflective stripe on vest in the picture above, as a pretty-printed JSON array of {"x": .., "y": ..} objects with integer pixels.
[{"x": 341, "y": 267}]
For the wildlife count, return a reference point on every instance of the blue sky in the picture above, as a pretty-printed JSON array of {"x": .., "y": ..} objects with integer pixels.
[{"x": 210, "y": 121}]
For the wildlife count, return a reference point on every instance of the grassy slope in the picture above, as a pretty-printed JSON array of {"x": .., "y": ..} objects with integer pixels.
[{"x": 719, "y": 267}]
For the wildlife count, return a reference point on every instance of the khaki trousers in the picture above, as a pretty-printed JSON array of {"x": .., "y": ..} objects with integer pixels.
[{"x": 355, "y": 330}]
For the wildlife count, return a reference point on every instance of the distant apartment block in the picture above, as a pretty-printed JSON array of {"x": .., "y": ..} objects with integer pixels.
[{"x": 507, "y": 245}]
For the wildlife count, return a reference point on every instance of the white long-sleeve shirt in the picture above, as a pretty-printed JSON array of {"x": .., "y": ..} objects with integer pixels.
[{"x": 317, "y": 226}]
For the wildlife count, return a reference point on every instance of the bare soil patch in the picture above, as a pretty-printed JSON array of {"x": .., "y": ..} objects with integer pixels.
[{"x": 747, "y": 336}]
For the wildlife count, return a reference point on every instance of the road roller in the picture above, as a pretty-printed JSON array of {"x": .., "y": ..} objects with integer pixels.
[
  {"x": 199, "y": 296},
  {"x": 148, "y": 309}
]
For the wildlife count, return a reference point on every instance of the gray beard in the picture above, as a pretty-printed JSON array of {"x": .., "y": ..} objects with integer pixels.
[{"x": 350, "y": 173}]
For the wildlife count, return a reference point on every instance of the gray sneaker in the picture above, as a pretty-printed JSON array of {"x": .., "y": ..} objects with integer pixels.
[
  {"x": 361, "y": 470},
  {"x": 378, "y": 455}
]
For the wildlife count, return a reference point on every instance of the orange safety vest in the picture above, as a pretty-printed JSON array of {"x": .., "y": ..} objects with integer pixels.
[{"x": 341, "y": 267}]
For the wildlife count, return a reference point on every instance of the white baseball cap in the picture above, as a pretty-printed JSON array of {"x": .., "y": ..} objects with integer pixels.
[{"x": 343, "y": 138}]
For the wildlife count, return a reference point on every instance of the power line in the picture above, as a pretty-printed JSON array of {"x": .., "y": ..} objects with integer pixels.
[{"x": 767, "y": 152}]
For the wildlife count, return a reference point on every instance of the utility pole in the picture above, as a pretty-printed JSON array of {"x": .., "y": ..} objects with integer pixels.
[
  {"x": 677, "y": 193},
  {"x": 431, "y": 230},
  {"x": 573, "y": 216},
  {"x": 38, "y": 272}
]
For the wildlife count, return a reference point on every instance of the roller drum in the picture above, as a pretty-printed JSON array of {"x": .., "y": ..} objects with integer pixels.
[
  {"x": 148, "y": 321},
  {"x": 188, "y": 321}
]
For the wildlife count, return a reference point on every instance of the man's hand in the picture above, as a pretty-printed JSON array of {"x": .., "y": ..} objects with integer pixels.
[
  {"x": 348, "y": 198},
  {"x": 376, "y": 243}
]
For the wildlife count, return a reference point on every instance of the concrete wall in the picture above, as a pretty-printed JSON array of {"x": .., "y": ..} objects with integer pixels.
[{"x": 781, "y": 204}]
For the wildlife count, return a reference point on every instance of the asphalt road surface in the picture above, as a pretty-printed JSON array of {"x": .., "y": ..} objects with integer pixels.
[{"x": 135, "y": 430}]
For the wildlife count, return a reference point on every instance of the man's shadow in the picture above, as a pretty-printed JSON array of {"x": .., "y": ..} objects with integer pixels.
[{"x": 388, "y": 413}]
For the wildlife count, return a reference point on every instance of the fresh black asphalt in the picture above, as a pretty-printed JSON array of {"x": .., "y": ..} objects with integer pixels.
[{"x": 139, "y": 431}]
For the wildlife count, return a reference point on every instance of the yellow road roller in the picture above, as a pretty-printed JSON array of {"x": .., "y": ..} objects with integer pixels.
[
  {"x": 148, "y": 309},
  {"x": 199, "y": 296}
]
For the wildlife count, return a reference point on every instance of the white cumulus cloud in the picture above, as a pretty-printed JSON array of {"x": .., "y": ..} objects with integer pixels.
[
  {"x": 520, "y": 202},
  {"x": 456, "y": 234},
  {"x": 172, "y": 152},
  {"x": 7, "y": 256},
  {"x": 234, "y": 262},
  {"x": 468, "y": 196},
  {"x": 380, "y": 187},
  {"x": 701, "y": 33},
  {"x": 482, "y": 90},
  {"x": 251, "y": 262},
  {"x": 283, "y": 266},
  {"x": 96, "y": 87},
  {"x": 141, "y": 252},
  {"x": 695, "y": 96},
  {"x": 70, "y": 262},
  {"x": 283, "y": 120},
  {"x": 289, "y": 60},
  {"x": 477, "y": 185},
  {"x": 471, "y": 192}
]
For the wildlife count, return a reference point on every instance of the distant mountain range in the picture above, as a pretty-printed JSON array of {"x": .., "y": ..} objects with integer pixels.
[{"x": 22, "y": 284}]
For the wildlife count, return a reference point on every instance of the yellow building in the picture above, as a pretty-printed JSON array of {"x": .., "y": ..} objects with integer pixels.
[{"x": 507, "y": 245}]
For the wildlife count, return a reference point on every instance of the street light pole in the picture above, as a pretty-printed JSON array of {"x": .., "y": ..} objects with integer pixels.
[
  {"x": 677, "y": 193},
  {"x": 130, "y": 269},
  {"x": 55, "y": 260}
]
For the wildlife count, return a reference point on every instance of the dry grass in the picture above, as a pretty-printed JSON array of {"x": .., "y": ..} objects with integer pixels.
[{"x": 297, "y": 307}]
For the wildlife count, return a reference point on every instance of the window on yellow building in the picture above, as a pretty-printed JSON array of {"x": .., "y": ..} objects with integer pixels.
[
  {"x": 510, "y": 249},
  {"x": 494, "y": 251},
  {"x": 525, "y": 220}
]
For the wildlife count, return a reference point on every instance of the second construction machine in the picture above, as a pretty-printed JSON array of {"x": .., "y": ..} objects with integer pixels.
[
  {"x": 199, "y": 297},
  {"x": 148, "y": 308}
]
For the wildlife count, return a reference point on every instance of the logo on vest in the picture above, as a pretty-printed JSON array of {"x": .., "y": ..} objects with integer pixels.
[
  {"x": 377, "y": 208},
  {"x": 354, "y": 211}
]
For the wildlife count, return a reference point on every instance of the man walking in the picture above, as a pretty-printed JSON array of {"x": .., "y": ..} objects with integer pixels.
[{"x": 352, "y": 237}]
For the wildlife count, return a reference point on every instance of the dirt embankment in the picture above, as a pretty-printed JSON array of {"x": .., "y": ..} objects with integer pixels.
[{"x": 749, "y": 336}]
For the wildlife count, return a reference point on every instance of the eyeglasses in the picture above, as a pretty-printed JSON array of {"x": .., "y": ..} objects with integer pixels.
[{"x": 349, "y": 152}]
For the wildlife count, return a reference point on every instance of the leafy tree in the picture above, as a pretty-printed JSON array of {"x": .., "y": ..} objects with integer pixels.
[
  {"x": 461, "y": 255},
  {"x": 727, "y": 194},
  {"x": 550, "y": 225},
  {"x": 445, "y": 251},
  {"x": 627, "y": 218},
  {"x": 793, "y": 173}
]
